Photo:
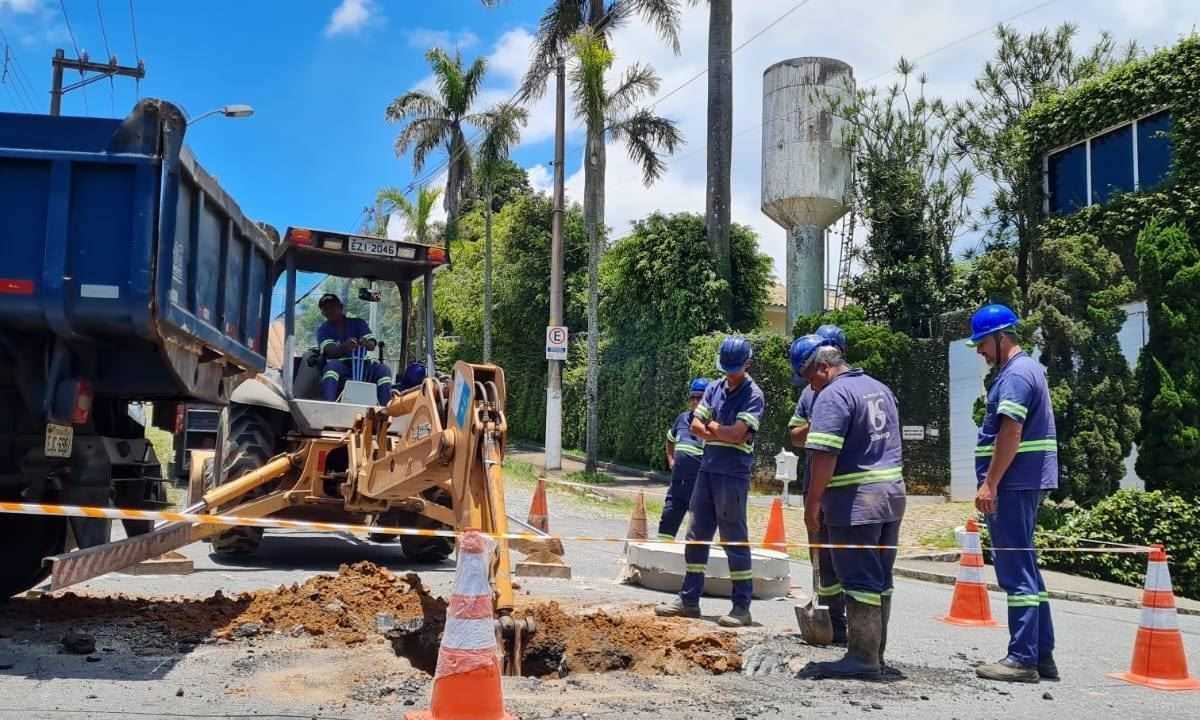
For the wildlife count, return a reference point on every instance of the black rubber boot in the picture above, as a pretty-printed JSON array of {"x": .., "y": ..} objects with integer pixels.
[
  {"x": 1047, "y": 668},
  {"x": 885, "y": 609},
  {"x": 1008, "y": 670},
  {"x": 862, "y": 655},
  {"x": 837, "y": 617},
  {"x": 676, "y": 608}
]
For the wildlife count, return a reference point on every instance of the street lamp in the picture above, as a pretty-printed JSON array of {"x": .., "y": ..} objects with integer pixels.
[{"x": 230, "y": 111}]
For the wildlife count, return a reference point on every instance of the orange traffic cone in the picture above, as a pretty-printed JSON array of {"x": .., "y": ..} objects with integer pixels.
[
  {"x": 466, "y": 684},
  {"x": 970, "y": 605},
  {"x": 637, "y": 521},
  {"x": 1158, "y": 658},
  {"x": 539, "y": 513},
  {"x": 776, "y": 537}
]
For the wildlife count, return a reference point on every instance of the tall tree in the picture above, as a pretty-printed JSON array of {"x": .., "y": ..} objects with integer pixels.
[
  {"x": 580, "y": 28},
  {"x": 391, "y": 201},
  {"x": 913, "y": 194},
  {"x": 502, "y": 129},
  {"x": 720, "y": 139},
  {"x": 439, "y": 121},
  {"x": 1025, "y": 68}
]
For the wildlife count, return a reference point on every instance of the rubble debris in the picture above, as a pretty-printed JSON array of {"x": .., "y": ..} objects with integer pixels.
[{"x": 78, "y": 643}]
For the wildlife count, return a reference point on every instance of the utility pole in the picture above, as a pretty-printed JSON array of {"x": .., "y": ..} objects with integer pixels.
[
  {"x": 60, "y": 62},
  {"x": 554, "y": 391}
]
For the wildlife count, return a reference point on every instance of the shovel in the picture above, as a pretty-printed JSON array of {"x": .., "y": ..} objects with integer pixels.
[{"x": 816, "y": 627}]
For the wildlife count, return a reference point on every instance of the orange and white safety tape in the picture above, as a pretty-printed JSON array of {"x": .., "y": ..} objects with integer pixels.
[{"x": 84, "y": 511}]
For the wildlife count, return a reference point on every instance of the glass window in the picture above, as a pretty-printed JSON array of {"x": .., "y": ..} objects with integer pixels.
[
  {"x": 1068, "y": 179},
  {"x": 1112, "y": 163},
  {"x": 1154, "y": 149}
]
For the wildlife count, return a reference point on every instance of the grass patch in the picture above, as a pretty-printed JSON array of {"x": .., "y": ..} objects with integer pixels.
[
  {"x": 941, "y": 539},
  {"x": 590, "y": 478},
  {"x": 164, "y": 447}
]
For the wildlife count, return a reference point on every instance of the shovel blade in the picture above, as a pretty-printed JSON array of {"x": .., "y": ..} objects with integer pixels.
[{"x": 816, "y": 626}]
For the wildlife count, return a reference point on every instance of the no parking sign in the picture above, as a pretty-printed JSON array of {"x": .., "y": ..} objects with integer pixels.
[{"x": 556, "y": 342}]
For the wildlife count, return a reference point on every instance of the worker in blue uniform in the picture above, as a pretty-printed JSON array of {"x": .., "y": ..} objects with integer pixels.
[
  {"x": 341, "y": 341},
  {"x": 1016, "y": 462},
  {"x": 413, "y": 376},
  {"x": 828, "y": 589},
  {"x": 857, "y": 491},
  {"x": 684, "y": 452},
  {"x": 727, "y": 419}
]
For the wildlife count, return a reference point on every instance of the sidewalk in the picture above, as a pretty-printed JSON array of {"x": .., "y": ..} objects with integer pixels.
[{"x": 1060, "y": 586}]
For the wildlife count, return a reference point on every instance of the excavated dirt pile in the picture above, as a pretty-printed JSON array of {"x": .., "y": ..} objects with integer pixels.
[
  {"x": 598, "y": 641},
  {"x": 336, "y": 610}
]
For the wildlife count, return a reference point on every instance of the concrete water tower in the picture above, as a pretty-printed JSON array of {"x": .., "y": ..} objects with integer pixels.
[{"x": 805, "y": 167}]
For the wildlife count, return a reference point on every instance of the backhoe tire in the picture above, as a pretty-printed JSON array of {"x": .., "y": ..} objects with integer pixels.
[
  {"x": 251, "y": 443},
  {"x": 26, "y": 540}
]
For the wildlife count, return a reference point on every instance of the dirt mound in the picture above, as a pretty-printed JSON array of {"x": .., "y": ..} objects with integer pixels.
[
  {"x": 336, "y": 610},
  {"x": 598, "y": 641}
]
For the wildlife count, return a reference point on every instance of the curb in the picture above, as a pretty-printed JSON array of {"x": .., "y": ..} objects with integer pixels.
[{"x": 1108, "y": 600}]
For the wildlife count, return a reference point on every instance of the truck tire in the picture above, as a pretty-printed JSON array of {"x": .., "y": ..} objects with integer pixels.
[
  {"x": 26, "y": 540},
  {"x": 250, "y": 445}
]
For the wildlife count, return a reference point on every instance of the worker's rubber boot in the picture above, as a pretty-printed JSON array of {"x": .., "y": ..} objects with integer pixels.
[
  {"x": 1047, "y": 668},
  {"x": 837, "y": 617},
  {"x": 676, "y": 608},
  {"x": 885, "y": 615},
  {"x": 737, "y": 617},
  {"x": 862, "y": 654},
  {"x": 1008, "y": 670}
]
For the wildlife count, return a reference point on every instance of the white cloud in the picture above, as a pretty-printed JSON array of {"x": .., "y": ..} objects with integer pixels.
[
  {"x": 425, "y": 38},
  {"x": 351, "y": 16},
  {"x": 20, "y": 6},
  {"x": 541, "y": 178}
]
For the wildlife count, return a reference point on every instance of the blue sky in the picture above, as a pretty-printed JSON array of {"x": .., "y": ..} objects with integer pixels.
[{"x": 320, "y": 73}]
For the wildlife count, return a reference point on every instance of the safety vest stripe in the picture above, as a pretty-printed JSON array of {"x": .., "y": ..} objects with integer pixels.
[
  {"x": 1015, "y": 408},
  {"x": 829, "y": 591},
  {"x": 867, "y": 477},
  {"x": 1156, "y": 619},
  {"x": 797, "y": 422},
  {"x": 330, "y": 375},
  {"x": 866, "y": 598},
  {"x": 1047, "y": 445},
  {"x": 688, "y": 449},
  {"x": 696, "y": 567},
  {"x": 1024, "y": 600},
  {"x": 385, "y": 380},
  {"x": 671, "y": 436},
  {"x": 750, "y": 420},
  {"x": 703, "y": 412},
  {"x": 1043, "y": 597},
  {"x": 827, "y": 439},
  {"x": 744, "y": 447},
  {"x": 1158, "y": 576},
  {"x": 739, "y": 575}
]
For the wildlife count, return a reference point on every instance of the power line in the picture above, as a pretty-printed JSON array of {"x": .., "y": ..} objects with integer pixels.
[
  {"x": 78, "y": 55},
  {"x": 108, "y": 55},
  {"x": 22, "y": 77},
  {"x": 9, "y": 78}
]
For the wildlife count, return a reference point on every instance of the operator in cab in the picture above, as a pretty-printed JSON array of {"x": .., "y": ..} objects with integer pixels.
[{"x": 341, "y": 340}]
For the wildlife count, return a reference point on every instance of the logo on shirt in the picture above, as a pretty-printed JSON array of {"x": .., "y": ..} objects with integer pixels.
[{"x": 877, "y": 417}]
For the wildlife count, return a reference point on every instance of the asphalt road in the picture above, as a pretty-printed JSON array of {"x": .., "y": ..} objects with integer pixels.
[{"x": 285, "y": 677}]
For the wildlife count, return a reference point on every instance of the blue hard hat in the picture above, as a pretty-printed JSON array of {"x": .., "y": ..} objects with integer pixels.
[
  {"x": 414, "y": 375},
  {"x": 835, "y": 335},
  {"x": 735, "y": 352},
  {"x": 801, "y": 353},
  {"x": 699, "y": 385},
  {"x": 990, "y": 319}
]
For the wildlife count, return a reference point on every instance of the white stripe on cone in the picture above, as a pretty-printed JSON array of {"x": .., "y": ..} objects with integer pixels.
[
  {"x": 970, "y": 575},
  {"x": 469, "y": 634},
  {"x": 971, "y": 544},
  {"x": 1159, "y": 619},
  {"x": 472, "y": 577},
  {"x": 1158, "y": 577}
]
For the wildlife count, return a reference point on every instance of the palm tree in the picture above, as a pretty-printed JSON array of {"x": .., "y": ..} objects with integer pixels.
[
  {"x": 391, "y": 201},
  {"x": 720, "y": 137},
  {"x": 647, "y": 137},
  {"x": 502, "y": 129},
  {"x": 435, "y": 122}
]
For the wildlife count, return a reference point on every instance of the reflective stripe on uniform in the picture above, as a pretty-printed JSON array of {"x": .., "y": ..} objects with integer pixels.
[
  {"x": 703, "y": 412},
  {"x": 330, "y": 375},
  {"x": 1024, "y": 600},
  {"x": 744, "y": 447},
  {"x": 664, "y": 536},
  {"x": 827, "y": 439},
  {"x": 689, "y": 449},
  {"x": 327, "y": 343},
  {"x": 866, "y": 598},
  {"x": 671, "y": 436},
  {"x": 797, "y": 422},
  {"x": 1043, "y": 597},
  {"x": 750, "y": 420},
  {"x": 867, "y": 477},
  {"x": 829, "y": 591},
  {"x": 385, "y": 380},
  {"x": 1047, "y": 445},
  {"x": 741, "y": 575},
  {"x": 696, "y": 567},
  {"x": 1016, "y": 409}
]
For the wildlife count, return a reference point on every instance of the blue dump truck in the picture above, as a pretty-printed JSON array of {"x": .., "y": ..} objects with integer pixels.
[{"x": 126, "y": 274}]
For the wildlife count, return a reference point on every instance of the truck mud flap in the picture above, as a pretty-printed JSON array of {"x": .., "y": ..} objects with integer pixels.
[{"x": 82, "y": 565}]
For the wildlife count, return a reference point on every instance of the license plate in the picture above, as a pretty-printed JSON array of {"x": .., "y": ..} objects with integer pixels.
[
  {"x": 369, "y": 246},
  {"x": 59, "y": 439}
]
